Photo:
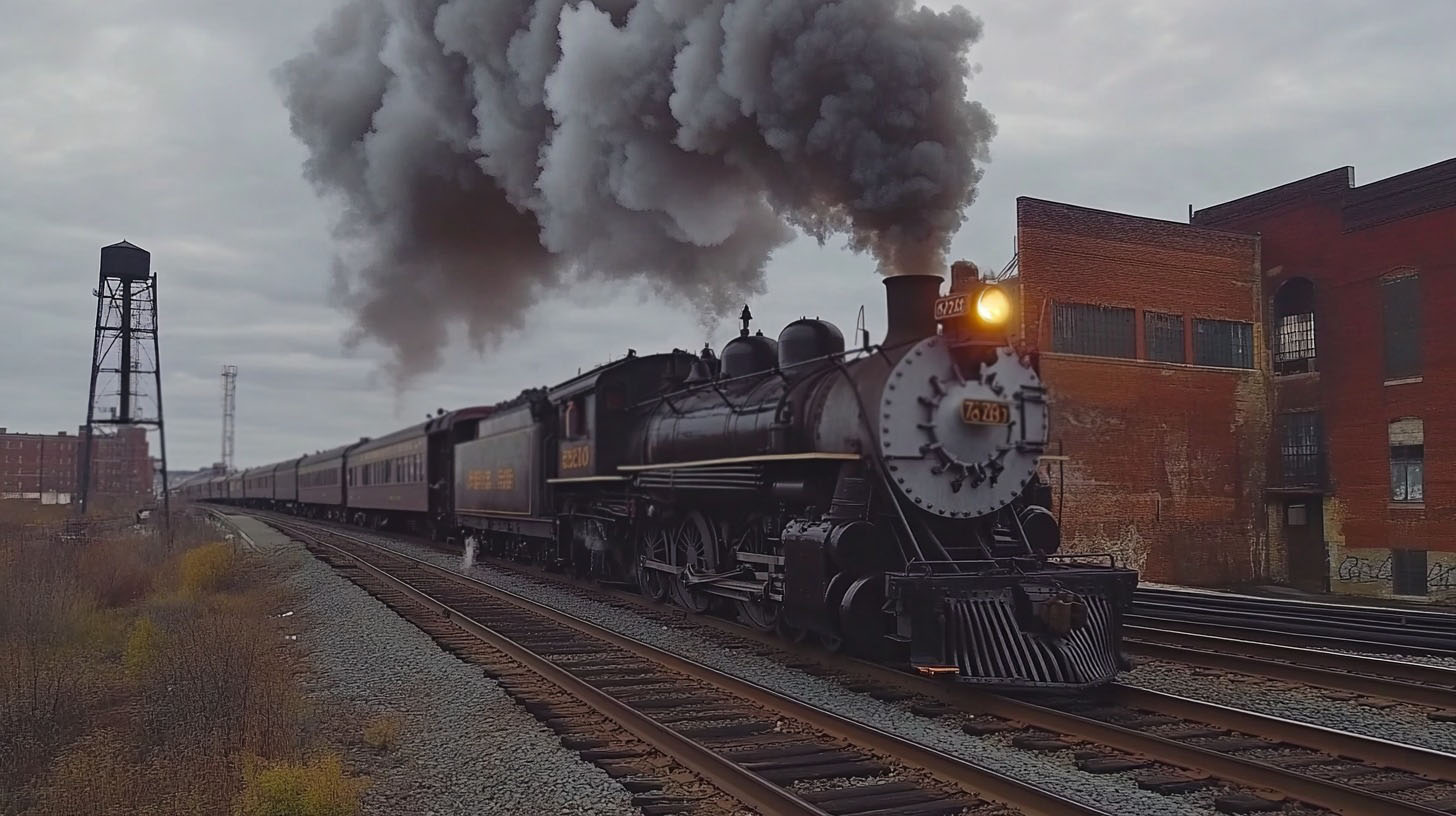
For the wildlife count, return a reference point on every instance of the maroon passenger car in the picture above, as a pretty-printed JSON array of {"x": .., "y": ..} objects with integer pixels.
[{"x": 386, "y": 476}]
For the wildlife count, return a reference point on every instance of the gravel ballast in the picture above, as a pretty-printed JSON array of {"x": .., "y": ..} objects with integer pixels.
[
  {"x": 1055, "y": 771},
  {"x": 465, "y": 746}
]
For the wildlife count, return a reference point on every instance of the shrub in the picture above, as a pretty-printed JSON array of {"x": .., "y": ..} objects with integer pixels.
[
  {"x": 382, "y": 733},
  {"x": 115, "y": 571},
  {"x": 318, "y": 788},
  {"x": 223, "y": 682},
  {"x": 104, "y": 774},
  {"x": 143, "y": 645},
  {"x": 206, "y": 568}
]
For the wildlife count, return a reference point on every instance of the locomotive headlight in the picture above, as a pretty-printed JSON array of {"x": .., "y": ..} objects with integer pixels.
[{"x": 993, "y": 306}]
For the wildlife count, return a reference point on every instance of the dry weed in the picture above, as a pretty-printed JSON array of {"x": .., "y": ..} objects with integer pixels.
[
  {"x": 117, "y": 572},
  {"x": 382, "y": 732}
]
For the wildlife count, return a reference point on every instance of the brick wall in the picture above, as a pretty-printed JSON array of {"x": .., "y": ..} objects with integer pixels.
[
  {"x": 120, "y": 465},
  {"x": 1345, "y": 239},
  {"x": 46, "y": 467},
  {"x": 1165, "y": 461},
  {"x": 38, "y": 466}
]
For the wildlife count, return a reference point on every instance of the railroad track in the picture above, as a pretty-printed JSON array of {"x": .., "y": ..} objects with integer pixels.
[
  {"x": 1414, "y": 683},
  {"x": 1126, "y": 728},
  {"x": 1347, "y": 643},
  {"x": 1335, "y": 770},
  {"x": 1342, "y": 626},
  {"x": 749, "y": 742}
]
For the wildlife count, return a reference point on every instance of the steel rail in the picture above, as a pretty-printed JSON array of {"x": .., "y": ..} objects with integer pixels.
[
  {"x": 1298, "y": 607},
  {"x": 1243, "y": 630},
  {"x": 740, "y": 783},
  {"x": 1393, "y": 635},
  {"x": 1374, "y": 750},
  {"x": 1413, "y": 683},
  {"x": 750, "y": 788},
  {"x": 1333, "y": 796}
]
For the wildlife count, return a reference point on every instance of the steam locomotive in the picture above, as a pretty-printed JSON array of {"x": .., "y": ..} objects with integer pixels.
[{"x": 885, "y": 500}]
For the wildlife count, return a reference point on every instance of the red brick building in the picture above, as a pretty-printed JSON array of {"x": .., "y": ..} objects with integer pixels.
[
  {"x": 46, "y": 467},
  {"x": 1153, "y": 346},
  {"x": 1360, "y": 287}
]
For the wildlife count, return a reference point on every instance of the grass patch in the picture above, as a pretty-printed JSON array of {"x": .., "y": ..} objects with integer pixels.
[
  {"x": 207, "y": 568},
  {"x": 316, "y": 788}
]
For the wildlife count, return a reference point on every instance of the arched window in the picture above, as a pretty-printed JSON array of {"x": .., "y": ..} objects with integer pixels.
[{"x": 1294, "y": 347}]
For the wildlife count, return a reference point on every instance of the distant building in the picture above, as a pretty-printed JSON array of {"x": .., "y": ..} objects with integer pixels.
[
  {"x": 1359, "y": 292},
  {"x": 46, "y": 467},
  {"x": 1152, "y": 345},
  {"x": 38, "y": 467}
]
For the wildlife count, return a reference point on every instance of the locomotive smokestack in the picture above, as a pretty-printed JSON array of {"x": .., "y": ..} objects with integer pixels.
[{"x": 910, "y": 302}]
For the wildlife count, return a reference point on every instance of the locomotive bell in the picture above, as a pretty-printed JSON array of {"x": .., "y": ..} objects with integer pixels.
[{"x": 705, "y": 367}]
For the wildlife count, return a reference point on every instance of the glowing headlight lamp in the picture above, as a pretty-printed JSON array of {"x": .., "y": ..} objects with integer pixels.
[{"x": 993, "y": 306}]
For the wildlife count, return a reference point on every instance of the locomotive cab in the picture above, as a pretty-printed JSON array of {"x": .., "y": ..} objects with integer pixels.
[{"x": 595, "y": 411}]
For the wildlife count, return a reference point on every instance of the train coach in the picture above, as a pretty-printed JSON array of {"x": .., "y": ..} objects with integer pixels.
[{"x": 884, "y": 499}]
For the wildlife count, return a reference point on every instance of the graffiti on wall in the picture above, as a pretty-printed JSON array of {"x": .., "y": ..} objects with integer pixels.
[{"x": 1357, "y": 569}]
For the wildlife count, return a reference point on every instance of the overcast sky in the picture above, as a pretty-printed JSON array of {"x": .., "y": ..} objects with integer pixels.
[{"x": 157, "y": 121}]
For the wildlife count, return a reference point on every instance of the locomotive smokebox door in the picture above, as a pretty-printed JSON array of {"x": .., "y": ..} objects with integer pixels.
[{"x": 961, "y": 443}]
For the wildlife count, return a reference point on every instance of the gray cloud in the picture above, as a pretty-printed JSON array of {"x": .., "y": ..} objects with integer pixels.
[
  {"x": 158, "y": 121},
  {"x": 486, "y": 150}
]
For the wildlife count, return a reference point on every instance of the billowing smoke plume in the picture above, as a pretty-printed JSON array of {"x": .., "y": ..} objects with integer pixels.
[{"x": 484, "y": 150}]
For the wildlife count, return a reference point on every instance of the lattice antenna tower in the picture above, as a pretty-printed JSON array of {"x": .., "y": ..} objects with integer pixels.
[
  {"x": 229, "y": 412},
  {"x": 126, "y": 366}
]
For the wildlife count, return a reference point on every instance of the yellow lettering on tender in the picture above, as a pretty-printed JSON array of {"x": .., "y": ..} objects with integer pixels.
[{"x": 478, "y": 480}]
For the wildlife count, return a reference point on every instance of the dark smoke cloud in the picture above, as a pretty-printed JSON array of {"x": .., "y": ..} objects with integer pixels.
[{"x": 484, "y": 150}]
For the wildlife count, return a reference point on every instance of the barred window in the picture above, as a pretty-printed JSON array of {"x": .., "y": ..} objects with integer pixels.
[
  {"x": 1295, "y": 344},
  {"x": 1226, "y": 343},
  {"x": 1101, "y": 331},
  {"x": 1407, "y": 460},
  {"x": 1401, "y": 297},
  {"x": 1163, "y": 336},
  {"x": 1408, "y": 572},
  {"x": 1300, "y": 449}
]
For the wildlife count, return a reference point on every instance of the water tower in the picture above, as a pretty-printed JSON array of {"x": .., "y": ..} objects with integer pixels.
[{"x": 126, "y": 366}]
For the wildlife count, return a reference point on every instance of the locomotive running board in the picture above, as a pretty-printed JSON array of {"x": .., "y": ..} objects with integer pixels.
[{"x": 747, "y": 460}]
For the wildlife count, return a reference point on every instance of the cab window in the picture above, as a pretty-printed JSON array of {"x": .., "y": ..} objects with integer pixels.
[{"x": 573, "y": 418}]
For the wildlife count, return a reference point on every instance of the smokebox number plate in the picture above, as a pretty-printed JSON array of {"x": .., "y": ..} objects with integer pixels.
[
  {"x": 949, "y": 307},
  {"x": 985, "y": 412}
]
